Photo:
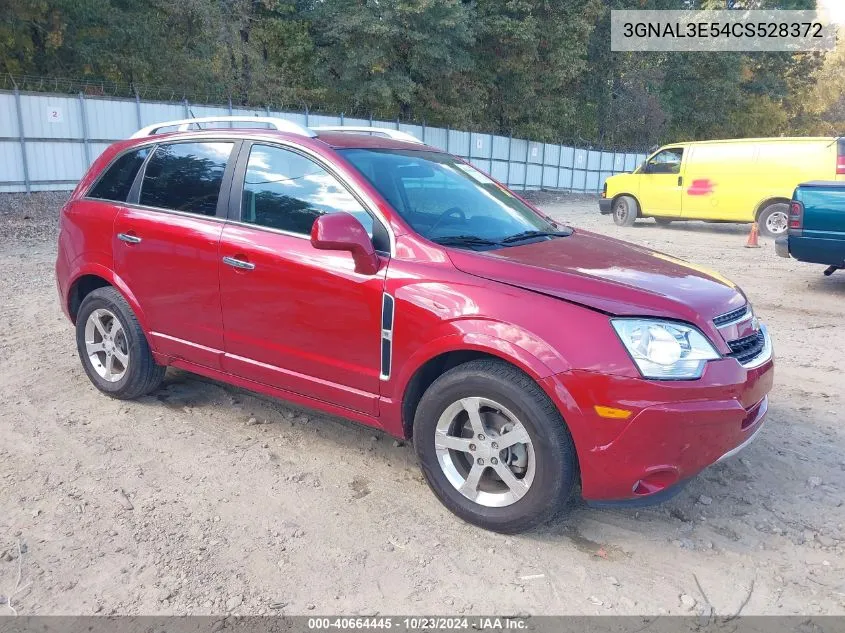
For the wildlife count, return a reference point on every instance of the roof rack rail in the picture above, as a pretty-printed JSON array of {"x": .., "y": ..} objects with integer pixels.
[
  {"x": 396, "y": 135},
  {"x": 183, "y": 125}
]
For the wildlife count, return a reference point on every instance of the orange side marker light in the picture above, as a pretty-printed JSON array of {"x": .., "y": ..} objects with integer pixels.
[{"x": 612, "y": 413}]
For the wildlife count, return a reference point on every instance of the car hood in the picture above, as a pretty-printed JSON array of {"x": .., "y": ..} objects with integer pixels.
[{"x": 608, "y": 275}]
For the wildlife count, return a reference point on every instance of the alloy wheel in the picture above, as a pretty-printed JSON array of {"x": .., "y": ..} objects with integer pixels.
[
  {"x": 485, "y": 452},
  {"x": 106, "y": 345}
]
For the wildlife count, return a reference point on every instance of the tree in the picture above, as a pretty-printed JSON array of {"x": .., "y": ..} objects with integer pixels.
[{"x": 395, "y": 57}]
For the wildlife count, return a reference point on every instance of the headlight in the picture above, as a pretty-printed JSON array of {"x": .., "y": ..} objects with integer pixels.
[{"x": 665, "y": 349}]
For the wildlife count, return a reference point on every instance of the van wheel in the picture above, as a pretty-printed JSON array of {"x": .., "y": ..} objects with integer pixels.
[
  {"x": 774, "y": 220},
  {"x": 625, "y": 211},
  {"x": 494, "y": 448},
  {"x": 113, "y": 348}
]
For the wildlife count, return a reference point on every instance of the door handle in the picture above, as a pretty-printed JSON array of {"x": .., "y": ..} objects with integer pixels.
[
  {"x": 680, "y": 181},
  {"x": 238, "y": 263},
  {"x": 129, "y": 238}
]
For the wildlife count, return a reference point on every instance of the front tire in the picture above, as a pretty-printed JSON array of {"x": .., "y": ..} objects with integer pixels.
[
  {"x": 112, "y": 347},
  {"x": 625, "y": 211},
  {"x": 774, "y": 220},
  {"x": 494, "y": 448}
]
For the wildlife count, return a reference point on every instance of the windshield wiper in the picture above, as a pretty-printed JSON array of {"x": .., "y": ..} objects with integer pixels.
[
  {"x": 465, "y": 240},
  {"x": 525, "y": 235}
]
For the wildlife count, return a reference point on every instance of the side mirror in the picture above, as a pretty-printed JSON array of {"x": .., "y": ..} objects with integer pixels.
[{"x": 343, "y": 232}]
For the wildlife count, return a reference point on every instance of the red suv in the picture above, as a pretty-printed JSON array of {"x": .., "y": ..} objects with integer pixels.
[{"x": 373, "y": 277}]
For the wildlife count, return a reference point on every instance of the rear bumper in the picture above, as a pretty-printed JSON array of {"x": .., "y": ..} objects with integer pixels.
[
  {"x": 782, "y": 246},
  {"x": 676, "y": 428},
  {"x": 605, "y": 206}
]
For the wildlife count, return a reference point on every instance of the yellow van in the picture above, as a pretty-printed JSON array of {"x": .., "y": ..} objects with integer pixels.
[{"x": 744, "y": 180}]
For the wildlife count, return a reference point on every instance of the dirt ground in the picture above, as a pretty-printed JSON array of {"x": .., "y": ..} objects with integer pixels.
[{"x": 205, "y": 499}]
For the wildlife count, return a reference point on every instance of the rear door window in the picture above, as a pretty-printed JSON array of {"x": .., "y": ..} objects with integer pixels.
[
  {"x": 186, "y": 177},
  {"x": 117, "y": 180}
]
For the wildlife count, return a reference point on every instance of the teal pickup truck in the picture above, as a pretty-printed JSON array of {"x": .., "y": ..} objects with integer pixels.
[{"x": 816, "y": 226}]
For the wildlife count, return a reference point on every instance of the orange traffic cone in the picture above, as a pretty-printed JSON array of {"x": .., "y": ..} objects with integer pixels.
[{"x": 752, "y": 237}]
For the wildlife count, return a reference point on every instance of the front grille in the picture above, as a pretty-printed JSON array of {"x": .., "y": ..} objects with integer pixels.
[
  {"x": 730, "y": 317},
  {"x": 747, "y": 348}
]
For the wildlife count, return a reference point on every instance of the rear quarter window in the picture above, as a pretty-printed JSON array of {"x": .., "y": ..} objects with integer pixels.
[{"x": 115, "y": 183}]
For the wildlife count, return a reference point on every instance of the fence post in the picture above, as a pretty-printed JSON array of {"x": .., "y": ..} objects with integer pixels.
[
  {"x": 267, "y": 111},
  {"x": 572, "y": 170},
  {"x": 491, "y": 153},
  {"x": 138, "y": 109},
  {"x": 306, "y": 116},
  {"x": 525, "y": 175},
  {"x": 371, "y": 119},
  {"x": 23, "y": 141},
  {"x": 508, "y": 177},
  {"x": 448, "y": 134},
  {"x": 187, "y": 107},
  {"x": 543, "y": 168},
  {"x": 423, "y": 131},
  {"x": 84, "y": 117},
  {"x": 342, "y": 120},
  {"x": 397, "y": 122},
  {"x": 559, "y": 164},
  {"x": 230, "y": 108},
  {"x": 469, "y": 153}
]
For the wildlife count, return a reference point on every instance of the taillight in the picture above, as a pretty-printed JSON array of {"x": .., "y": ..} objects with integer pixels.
[{"x": 796, "y": 215}]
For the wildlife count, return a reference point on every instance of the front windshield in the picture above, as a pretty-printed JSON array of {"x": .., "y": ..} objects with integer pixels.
[{"x": 448, "y": 201}]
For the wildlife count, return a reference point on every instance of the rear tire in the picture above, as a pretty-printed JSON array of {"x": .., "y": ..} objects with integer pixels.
[
  {"x": 112, "y": 347},
  {"x": 462, "y": 461},
  {"x": 774, "y": 220},
  {"x": 625, "y": 211}
]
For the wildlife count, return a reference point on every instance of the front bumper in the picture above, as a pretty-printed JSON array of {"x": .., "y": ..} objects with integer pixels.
[
  {"x": 676, "y": 428},
  {"x": 782, "y": 246},
  {"x": 605, "y": 206}
]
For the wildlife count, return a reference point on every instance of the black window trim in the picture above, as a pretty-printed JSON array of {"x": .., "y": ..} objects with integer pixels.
[
  {"x": 237, "y": 186},
  {"x": 225, "y": 184},
  {"x": 129, "y": 150},
  {"x": 132, "y": 200}
]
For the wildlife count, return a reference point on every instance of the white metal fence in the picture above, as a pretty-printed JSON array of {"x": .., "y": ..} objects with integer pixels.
[{"x": 47, "y": 141}]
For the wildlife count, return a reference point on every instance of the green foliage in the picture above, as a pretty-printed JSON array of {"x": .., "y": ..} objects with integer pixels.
[{"x": 536, "y": 68}]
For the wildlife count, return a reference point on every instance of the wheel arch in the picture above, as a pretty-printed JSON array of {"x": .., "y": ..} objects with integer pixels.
[
  {"x": 85, "y": 279},
  {"x": 768, "y": 202},
  {"x": 81, "y": 287},
  {"x": 426, "y": 368},
  {"x": 630, "y": 195}
]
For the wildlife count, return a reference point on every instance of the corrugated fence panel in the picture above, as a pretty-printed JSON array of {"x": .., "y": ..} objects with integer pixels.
[
  {"x": 459, "y": 143},
  {"x": 499, "y": 171},
  {"x": 56, "y": 162},
  {"x": 111, "y": 120},
  {"x": 63, "y": 133},
  {"x": 436, "y": 137},
  {"x": 8, "y": 116},
  {"x": 11, "y": 166},
  {"x": 51, "y": 117},
  {"x": 501, "y": 147}
]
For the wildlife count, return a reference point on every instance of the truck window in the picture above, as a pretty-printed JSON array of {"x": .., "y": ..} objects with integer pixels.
[{"x": 666, "y": 162}]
